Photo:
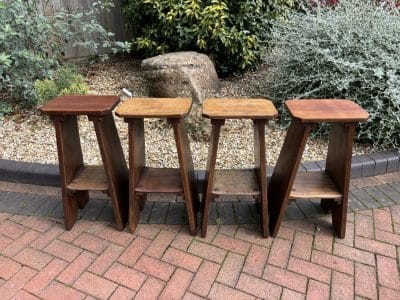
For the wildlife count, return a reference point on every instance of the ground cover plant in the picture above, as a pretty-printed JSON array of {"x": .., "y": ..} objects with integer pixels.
[
  {"x": 65, "y": 81},
  {"x": 233, "y": 33},
  {"x": 348, "y": 51},
  {"x": 32, "y": 44}
]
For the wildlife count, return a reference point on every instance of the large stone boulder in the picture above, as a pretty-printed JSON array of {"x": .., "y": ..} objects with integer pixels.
[{"x": 180, "y": 74}]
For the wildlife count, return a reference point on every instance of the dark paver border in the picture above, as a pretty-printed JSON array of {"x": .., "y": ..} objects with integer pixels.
[{"x": 366, "y": 165}]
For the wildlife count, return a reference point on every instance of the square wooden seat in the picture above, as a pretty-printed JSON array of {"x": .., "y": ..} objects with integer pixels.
[
  {"x": 324, "y": 110},
  {"x": 77, "y": 179},
  {"x": 142, "y": 179},
  {"x": 237, "y": 182},
  {"x": 331, "y": 186}
]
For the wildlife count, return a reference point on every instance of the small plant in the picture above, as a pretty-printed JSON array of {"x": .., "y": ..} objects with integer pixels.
[
  {"x": 66, "y": 81},
  {"x": 349, "y": 51},
  {"x": 233, "y": 33},
  {"x": 32, "y": 44}
]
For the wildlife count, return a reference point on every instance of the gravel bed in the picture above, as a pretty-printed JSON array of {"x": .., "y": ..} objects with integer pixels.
[{"x": 30, "y": 137}]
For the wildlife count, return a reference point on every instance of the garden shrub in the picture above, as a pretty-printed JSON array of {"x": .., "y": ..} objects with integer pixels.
[
  {"x": 32, "y": 44},
  {"x": 233, "y": 33},
  {"x": 66, "y": 81},
  {"x": 350, "y": 51}
]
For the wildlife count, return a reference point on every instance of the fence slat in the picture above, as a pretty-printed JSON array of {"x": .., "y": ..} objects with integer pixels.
[{"x": 111, "y": 21}]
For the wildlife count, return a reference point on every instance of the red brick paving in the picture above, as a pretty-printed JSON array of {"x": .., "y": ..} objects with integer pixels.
[{"x": 39, "y": 260}]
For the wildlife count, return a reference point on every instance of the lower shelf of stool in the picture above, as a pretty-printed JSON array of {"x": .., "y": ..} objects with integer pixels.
[
  {"x": 89, "y": 178},
  {"x": 160, "y": 180},
  {"x": 314, "y": 185},
  {"x": 235, "y": 182}
]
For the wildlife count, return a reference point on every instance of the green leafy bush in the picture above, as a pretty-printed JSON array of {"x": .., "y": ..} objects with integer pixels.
[
  {"x": 233, "y": 33},
  {"x": 351, "y": 51},
  {"x": 66, "y": 81},
  {"x": 32, "y": 44}
]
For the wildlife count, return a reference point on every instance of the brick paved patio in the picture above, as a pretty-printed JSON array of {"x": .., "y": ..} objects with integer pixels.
[{"x": 38, "y": 259}]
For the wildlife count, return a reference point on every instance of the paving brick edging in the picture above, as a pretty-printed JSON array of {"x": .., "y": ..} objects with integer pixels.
[{"x": 366, "y": 165}]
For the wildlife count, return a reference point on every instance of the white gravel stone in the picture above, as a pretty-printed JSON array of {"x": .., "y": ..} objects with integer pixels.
[{"x": 29, "y": 136}]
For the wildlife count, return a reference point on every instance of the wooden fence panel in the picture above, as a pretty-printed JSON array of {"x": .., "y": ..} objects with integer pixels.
[{"x": 112, "y": 21}]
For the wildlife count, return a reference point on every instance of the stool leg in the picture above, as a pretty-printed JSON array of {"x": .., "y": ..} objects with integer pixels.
[
  {"x": 338, "y": 167},
  {"x": 209, "y": 177},
  {"x": 136, "y": 166},
  {"x": 114, "y": 167},
  {"x": 70, "y": 161},
  {"x": 285, "y": 172},
  {"x": 187, "y": 172},
  {"x": 261, "y": 171}
]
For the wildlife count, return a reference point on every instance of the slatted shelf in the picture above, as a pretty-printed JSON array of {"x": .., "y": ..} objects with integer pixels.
[
  {"x": 235, "y": 182},
  {"x": 89, "y": 178},
  {"x": 160, "y": 180},
  {"x": 314, "y": 185}
]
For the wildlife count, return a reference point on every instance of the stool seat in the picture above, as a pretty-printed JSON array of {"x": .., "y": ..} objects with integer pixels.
[
  {"x": 252, "y": 182},
  {"x": 90, "y": 105},
  {"x": 154, "y": 108},
  {"x": 321, "y": 110},
  {"x": 77, "y": 179},
  {"x": 144, "y": 179},
  {"x": 332, "y": 185},
  {"x": 239, "y": 109}
]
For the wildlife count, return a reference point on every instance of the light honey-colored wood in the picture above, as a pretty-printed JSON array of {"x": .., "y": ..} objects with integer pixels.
[
  {"x": 314, "y": 185},
  {"x": 89, "y": 178},
  {"x": 154, "y": 108},
  {"x": 223, "y": 108},
  {"x": 235, "y": 182},
  {"x": 324, "y": 110}
]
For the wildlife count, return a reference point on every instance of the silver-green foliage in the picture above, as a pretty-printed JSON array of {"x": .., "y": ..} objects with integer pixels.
[
  {"x": 32, "y": 44},
  {"x": 350, "y": 51}
]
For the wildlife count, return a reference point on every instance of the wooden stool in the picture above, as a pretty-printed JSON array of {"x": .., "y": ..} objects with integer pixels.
[
  {"x": 237, "y": 182},
  {"x": 76, "y": 178},
  {"x": 331, "y": 186},
  {"x": 142, "y": 179}
]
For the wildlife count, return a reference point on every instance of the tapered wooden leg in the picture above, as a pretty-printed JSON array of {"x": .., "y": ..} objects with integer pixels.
[
  {"x": 136, "y": 165},
  {"x": 114, "y": 167},
  {"x": 338, "y": 167},
  {"x": 70, "y": 161},
  {"x": 187, "y": 172},
  {"x": 261, "y": 171},
  {"x": 285, "y": 172},
  {"x": 210, "y": 171}
]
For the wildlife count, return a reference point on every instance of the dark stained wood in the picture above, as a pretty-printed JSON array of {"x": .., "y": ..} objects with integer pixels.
[
  {"x": 314, "y": 185},
  {"x": 320, "y": 110},
  {"x": 210, "y": 174},
  {"x": 115, "y": 167},
  {"x": 261, "y": 172},
  {"x": 81, "y": 105},
  {"x": 89, "y": 178},
  {"x": 285, "y": 171},
  {"x": 187, "y": 172},
  {"x": 239, "y": 109},
  {"x": 77, "y": 180},
  {"x": 154, "y": 108},
  {"x": 137, "y": 164},
  {"x": 338, "y": 166},
  {"x": 236, "y": 182},
  {"x": 160, "y": 180},
  {"x": 70, "y": 162},
  {"x": 333, "y": 186}
]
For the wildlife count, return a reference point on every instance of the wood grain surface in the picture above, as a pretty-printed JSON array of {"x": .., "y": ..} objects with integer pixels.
[
  {"x": 239, "y": 109},
  {"x": 323, "y": 110}
]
